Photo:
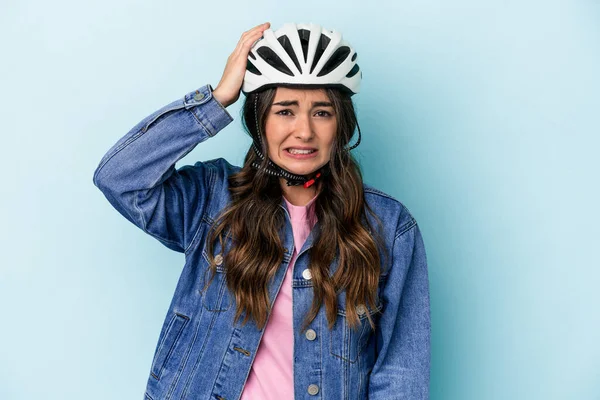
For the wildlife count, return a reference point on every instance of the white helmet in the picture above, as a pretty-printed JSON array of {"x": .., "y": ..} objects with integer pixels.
[{"x": 302, "y": 55}]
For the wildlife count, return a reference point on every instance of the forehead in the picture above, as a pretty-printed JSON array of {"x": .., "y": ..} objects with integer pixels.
[{"x": 283, "y": 93}]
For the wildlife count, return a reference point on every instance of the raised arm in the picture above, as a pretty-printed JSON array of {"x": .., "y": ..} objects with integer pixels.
[{"x": 138, "y": 176}]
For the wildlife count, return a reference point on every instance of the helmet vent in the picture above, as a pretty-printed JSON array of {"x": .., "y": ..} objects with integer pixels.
[
  {"x": 273, "y": 59},
  {"x": 353, "y": 71},
  {"x": 287, "y": 46},
  {"x": 335, "y": 60},
  {"x": 250, "y": 67},
  {"x": 321, "y": 46},
  {"x": 304, "y": 38}
]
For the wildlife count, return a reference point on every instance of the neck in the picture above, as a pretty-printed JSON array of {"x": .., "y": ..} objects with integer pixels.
[{"x": 299, "y": 195}]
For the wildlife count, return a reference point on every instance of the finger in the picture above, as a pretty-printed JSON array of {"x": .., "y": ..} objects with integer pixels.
[
  {"x": 260, "y": 27},
  {"x": 250, "y": 40},
  {"x": 243, "y": 43},
  {"x": 244, "y": 46},
  {"x": 257, "y": 28}
]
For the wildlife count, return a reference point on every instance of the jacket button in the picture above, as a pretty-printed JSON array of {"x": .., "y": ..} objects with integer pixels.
[
  {"x": 219, "y": 259},
  {"x": 361, "y": 309},
  {"x": 306, "y": 274},
  {"x": 311, "y": 334},
  {"x": 198, "y": 96},
  {"x": 313, "y": 389}
]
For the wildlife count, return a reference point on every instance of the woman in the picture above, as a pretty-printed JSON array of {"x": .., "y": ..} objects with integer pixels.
[{"x": 300, "y": 281}]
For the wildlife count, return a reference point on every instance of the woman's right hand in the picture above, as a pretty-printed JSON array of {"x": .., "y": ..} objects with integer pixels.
[{"x": 228, "y": 90}]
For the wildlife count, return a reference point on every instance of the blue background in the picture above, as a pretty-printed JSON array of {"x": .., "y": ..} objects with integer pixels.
[{"x": 481, "y": 117}]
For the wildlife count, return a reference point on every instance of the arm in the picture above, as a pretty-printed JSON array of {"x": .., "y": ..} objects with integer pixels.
[
  {"x": 402, "y": 367},
  {"x": 138, "y": 176}
]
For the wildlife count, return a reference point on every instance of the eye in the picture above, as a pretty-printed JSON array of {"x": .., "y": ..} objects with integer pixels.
[
  {"x": 326, "y": 113},
  {"x": 282, "y": 112}
]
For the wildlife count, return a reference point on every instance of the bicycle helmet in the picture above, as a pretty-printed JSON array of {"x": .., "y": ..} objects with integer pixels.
[
  {"x": 302, "y": 55},
  {"x": 299, "y": 56}
]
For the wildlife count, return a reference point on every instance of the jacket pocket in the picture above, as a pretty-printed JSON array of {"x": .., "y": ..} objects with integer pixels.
[
  {"x": 168, "y": 343},
  {"x": 216, "y": 296},
  {"x": 347, "y": 343}
]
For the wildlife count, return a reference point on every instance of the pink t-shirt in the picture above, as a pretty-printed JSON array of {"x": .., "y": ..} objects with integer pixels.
[{"x": 271, "y": 375}]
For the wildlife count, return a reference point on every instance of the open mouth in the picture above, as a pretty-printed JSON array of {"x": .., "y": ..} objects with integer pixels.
[{"x": 292, "y": 150}]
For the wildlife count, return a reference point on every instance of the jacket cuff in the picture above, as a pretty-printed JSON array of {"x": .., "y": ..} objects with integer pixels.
[{"x": 212, "y": 115}]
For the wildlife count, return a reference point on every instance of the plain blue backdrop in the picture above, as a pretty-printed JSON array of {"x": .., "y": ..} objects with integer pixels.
[{"x": 481, "y": 117}]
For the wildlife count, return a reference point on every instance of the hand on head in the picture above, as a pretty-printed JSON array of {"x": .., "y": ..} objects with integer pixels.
[{"x": 228, "y": 90}]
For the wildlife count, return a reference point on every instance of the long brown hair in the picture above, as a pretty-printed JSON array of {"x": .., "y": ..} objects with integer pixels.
[{"x": 254, "y": 219}]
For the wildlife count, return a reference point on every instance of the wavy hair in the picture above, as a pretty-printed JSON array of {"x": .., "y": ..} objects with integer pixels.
[{"x": 253, "y": 220}]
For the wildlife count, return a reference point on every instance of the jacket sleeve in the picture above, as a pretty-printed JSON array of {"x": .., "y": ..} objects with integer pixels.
[
  {"x": 138, "y": 176},
  {"x": 402, "y": 366}
]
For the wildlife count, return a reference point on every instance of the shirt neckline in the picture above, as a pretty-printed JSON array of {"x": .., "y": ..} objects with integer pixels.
[{"x": 310, "y": 202}]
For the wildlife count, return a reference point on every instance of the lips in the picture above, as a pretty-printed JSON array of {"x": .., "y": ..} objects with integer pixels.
[
  {"x": 295, "y": 151},
  {"x": 301, "y": 148},
  {"x": 301, "y": 155}
]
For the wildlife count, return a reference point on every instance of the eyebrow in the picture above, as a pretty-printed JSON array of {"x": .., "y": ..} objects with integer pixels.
[{"x": 295, "y": 103}]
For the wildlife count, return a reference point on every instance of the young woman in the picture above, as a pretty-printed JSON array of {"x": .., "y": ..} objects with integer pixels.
[{"x": 300, "y": 281}]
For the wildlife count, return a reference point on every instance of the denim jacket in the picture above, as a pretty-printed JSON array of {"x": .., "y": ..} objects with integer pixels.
[{"x": 201, "y": 353}]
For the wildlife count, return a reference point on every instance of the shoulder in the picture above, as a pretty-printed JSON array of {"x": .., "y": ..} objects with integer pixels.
[
  {"x": 216, "y": 171},
  {"x": 389, "y": 209},
  {"x": 221, "y": 166},
  {"x": 213, "y": 178}
]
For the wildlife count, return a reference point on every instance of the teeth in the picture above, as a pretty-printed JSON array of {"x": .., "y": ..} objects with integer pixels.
[{"x": 297, "y": 151}]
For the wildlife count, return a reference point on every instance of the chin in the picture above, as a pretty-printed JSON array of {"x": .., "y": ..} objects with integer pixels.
[
  {"x": 303, "y": 170},
  {"x": 300, "y": 167}
]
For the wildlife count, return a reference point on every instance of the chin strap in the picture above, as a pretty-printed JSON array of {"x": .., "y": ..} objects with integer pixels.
[
  {"x": 275, "y": 170},
  {"x": 291, "y": 179}
]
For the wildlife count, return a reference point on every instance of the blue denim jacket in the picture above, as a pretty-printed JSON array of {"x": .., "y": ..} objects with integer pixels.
[{"x": 201, "y": 353}]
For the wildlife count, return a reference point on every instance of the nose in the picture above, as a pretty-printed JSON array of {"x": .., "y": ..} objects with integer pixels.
[{"x": 304, "y": 129}]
